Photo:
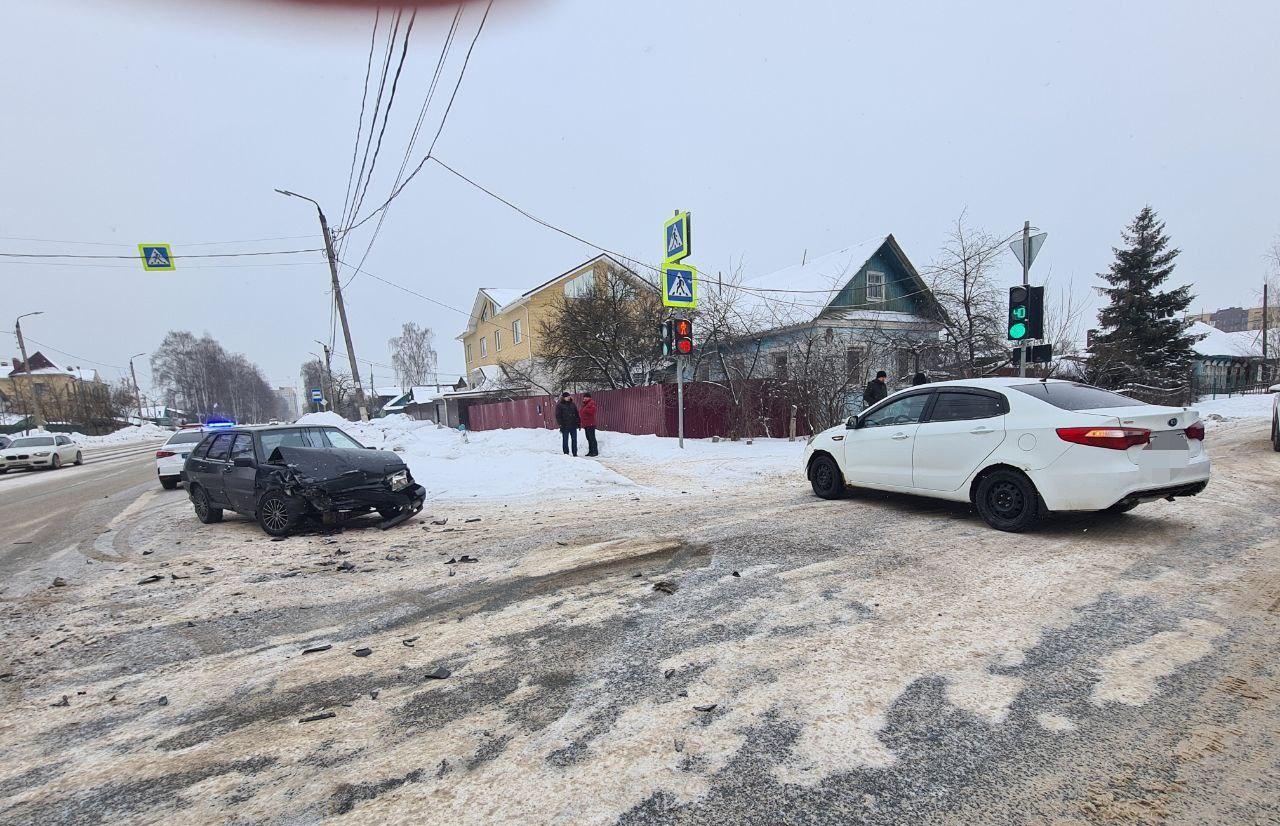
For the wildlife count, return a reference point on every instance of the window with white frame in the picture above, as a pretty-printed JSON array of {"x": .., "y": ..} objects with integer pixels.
[
  {"x": 468, "y": 352},
  {"x": 484, "y": 311},
  {"x": 875, "y": 287},
  {"x": 484, "y": 346},
  {"x": 580, "y": 286},
  {"x": 497, "y": 339},
  {"x": 515, "y": 332}
]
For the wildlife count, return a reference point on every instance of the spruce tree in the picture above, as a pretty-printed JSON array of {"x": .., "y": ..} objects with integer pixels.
[{"x": 1143, "y": 334}]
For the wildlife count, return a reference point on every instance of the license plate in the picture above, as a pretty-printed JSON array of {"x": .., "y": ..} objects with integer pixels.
[
  {"x": 1168, "y": 440},
  {"x": 183, "y": 455}
]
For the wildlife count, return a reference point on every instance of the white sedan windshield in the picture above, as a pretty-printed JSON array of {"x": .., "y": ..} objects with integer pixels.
[{"x": 33, "y": 441}]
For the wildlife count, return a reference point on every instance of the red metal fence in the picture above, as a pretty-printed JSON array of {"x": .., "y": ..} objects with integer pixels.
[{"x": 651, "y": 410}]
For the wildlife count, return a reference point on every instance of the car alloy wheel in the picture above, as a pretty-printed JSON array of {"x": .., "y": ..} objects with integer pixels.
[
  {"x": 201, "y": 504},
  {"x": 275, "y": 514}
]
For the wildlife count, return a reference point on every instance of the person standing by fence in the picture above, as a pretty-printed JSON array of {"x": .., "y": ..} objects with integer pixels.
[
  {"x": 588, "y": 417},
  {"x": 567, "y": 418}
]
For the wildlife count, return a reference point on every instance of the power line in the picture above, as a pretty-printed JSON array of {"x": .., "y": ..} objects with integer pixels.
[
  {"x": 364, "y": 97},
  {"x": 177, "y": 244},
  {"x": 175, "y": 257},
  {"x": 466, "y": 60},
  {"x": 392, "y": 34},
  {"x": 417, "y": 128},
  {"x": 386, "y": 116},
  {"x": 187, "y": 267},
  {"x": 65, "y": 353}
]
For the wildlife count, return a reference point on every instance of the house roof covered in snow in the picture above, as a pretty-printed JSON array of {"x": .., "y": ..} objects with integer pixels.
[
  {"x": 804, "y": 292},
  {"x": 505, "y": 298},
  {"x": 1215, "y": 342},
  {"x": 42, "y": 365}
]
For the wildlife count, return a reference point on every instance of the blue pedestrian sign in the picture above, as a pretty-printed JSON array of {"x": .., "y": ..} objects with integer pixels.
[
  {"x": 156, "y": 257},
  {"x": 677, "y": 243},
  {"x": 679, "y": 286},
  {"x": 316, "y": 395}
]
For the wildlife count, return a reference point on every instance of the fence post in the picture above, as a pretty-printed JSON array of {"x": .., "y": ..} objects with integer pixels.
[{"x": 792, "y": 427}]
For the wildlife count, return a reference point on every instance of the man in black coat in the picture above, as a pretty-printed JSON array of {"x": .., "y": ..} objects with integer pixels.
[
  {"x": 877, "y": 389},
  {"x": 567, "y": 419}
]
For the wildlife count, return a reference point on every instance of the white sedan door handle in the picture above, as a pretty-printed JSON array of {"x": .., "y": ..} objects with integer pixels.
[
  {"x": 982, "y": 430},
  {"x": 899, "y": 436}
]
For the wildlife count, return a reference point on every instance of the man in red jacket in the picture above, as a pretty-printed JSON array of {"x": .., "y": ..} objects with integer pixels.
[{"x": 587, "y": 413}]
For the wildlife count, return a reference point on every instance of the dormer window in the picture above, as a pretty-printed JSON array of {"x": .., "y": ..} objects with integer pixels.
[{"x": 875, "y": 287}]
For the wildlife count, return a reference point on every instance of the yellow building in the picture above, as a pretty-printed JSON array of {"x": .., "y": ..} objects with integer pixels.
[
  {"x": 66, "y": 393},
  {"x": 504, "y": 323}
]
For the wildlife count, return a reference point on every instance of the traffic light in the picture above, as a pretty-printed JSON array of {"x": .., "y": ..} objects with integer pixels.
[
  {"x": 677, "y": 337},
  {"x": 1026, "y": 313},
  {"x": 682, "y": 334}
]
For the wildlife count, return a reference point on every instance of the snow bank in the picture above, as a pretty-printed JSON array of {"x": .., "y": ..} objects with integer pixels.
[
  {"x": 1252, "y": 406},
  {"x": 520, "y": 462},
  {"x": 146, "y": 433}
]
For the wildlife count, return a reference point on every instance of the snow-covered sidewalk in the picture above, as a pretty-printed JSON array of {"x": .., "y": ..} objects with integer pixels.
[{"x": 520, "y": 462}]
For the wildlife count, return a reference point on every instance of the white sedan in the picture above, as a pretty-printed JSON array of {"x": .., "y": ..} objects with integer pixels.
[
  {"x": 1016, "y": 448},
  {"x": 172, "y": 455},
  {"x": 40, "y": 450}
]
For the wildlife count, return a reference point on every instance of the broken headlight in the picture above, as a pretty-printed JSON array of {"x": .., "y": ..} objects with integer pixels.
[{"x": 399, "y": 480}]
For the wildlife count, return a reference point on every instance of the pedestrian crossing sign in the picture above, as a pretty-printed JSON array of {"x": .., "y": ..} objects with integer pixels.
[
  {"x": 679, "y": 286},
  {"x": 676, "y": 241},
  {"x": 156, "y": 257}
]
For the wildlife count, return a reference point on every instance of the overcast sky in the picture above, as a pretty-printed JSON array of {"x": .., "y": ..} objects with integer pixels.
[{"x": 783, "y": 127}]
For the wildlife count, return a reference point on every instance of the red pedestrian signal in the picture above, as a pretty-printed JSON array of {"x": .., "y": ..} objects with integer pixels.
[{"x": 683, "y": 336}]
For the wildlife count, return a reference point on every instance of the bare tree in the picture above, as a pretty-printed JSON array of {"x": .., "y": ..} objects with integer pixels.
[
  {"x": 970, "y": 309},
  {"x": 412, "y": 355},
  {"x": 607, "y": 337},
  {"x": 204, "y": 379}
]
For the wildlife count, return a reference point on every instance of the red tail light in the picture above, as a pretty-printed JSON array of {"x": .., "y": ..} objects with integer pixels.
[
  {"x": 164, "y": 454},
  {"x": 1114, "y": 438},
  {"x": 1196, "y": 431}
]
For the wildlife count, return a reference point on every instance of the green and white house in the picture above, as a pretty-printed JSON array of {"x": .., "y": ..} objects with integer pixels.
[{"x": 866, "y": 301}]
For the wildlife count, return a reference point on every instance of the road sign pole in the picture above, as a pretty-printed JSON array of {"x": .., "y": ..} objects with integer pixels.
[
  {"x": 1026, "y": 270},
  {"x": 680, "y": 400}
]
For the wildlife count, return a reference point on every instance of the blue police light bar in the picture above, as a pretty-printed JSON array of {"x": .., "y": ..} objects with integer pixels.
[{"x": 218, "y": 422}]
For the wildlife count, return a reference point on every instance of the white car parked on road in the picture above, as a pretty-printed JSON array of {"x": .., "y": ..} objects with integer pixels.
[
  {"x": 40, "y": 450},
  {"x": 172, "y": 455},
  {"x": 1015, "y": 448}
]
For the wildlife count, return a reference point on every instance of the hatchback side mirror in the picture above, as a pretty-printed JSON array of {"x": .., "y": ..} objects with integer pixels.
[
  {"x": 851, "y": 423},
  {"x": 244, "y": 461}
]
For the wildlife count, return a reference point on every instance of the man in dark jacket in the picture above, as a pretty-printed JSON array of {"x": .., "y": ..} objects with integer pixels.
[
  {"x": 567, "y": 419},
  {"x": 588, "y": 417},
  {"x": 876, "y": 390}
]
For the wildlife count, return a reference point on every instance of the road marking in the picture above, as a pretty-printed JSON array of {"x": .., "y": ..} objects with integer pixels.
[{"x": 133, "y": 507}]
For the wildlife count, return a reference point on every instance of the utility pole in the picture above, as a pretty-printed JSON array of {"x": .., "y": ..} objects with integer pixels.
[
  {"x": 137, "y": 393},
  {"x": 26, "y": 365},
  {"x": 1266, "y": 369},
  {"x": 1026, "y": 270},
  {"x": 337, "y": 297},
  {"x": 327, "y": 378}
]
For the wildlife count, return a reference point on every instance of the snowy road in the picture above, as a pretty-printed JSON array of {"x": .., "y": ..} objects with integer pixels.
[{"x": 745, "y": 655}]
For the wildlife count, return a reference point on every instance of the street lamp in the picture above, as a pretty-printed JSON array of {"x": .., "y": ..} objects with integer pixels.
[
  {"x": 26, "y": 365},
  {"x": 137, "y": 393},
  {"x": 337, "y": 297}
]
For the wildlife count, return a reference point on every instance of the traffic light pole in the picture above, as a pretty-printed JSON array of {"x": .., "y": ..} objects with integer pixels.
[
  {"x": 1026, "y": 271},
  {"x": 680, "y": 400}
]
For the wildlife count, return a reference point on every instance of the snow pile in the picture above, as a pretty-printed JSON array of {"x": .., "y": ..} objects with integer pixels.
[
  {"x": 147, "y": 433},
  {"x": 527, "y": 462},
  {"x": 1251, "y": 406}
]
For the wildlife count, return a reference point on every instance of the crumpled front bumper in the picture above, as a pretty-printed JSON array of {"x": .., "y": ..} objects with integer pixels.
[{"x": 331, "y": 504}]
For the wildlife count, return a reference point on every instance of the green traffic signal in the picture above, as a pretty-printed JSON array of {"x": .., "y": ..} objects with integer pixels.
[{"x": 1017, "y": 331}]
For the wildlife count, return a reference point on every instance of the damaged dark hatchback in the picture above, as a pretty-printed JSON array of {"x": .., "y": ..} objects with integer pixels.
[{"x": 286, "y": 475}]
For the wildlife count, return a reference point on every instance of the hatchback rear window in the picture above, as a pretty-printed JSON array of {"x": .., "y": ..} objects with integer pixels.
[{"x": 1069, "y": 396}]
